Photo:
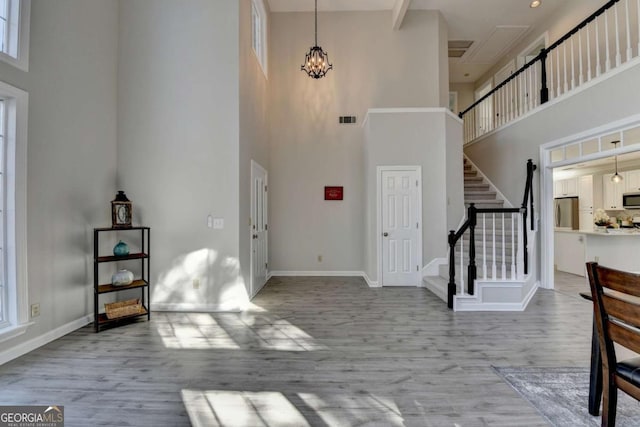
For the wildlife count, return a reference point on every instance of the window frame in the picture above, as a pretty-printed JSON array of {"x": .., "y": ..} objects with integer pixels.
[
  {"x": 20, "y": 18},
  {"x": 259, "y": 33},
  {"x": 14, "y": 216}
]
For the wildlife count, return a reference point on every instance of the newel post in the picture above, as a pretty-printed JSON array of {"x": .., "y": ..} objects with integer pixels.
[
  {"x": 472, "y": 269},
  {"x": 451, "y": 288},
  {"x": 544, "y": 91}
]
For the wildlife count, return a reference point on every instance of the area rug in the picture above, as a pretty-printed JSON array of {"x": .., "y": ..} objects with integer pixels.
[{"x": 561, "y": 395}]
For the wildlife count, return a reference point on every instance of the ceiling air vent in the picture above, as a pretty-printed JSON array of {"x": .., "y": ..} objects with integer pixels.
[
  {"x": 347, "y": 120},
  {"x": 457, "y": 48}
]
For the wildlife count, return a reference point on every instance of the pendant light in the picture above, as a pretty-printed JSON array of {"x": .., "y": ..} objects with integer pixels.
[
  {"x": 616, "y": 178},
  {"x": 316, "y": 61}
]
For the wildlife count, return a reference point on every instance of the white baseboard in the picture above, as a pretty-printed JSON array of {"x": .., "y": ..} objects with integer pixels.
[
  {"x": 432, "y": 269},
  {"x": 39, "y": 341},
  {"x": 233, "y": 307},
  {"x": 316, "y": 273},
  {"x": 371, "y": 283}
]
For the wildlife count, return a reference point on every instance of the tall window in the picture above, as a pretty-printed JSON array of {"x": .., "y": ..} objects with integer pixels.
[
  {"x": 14, "y": 315},
  {"x": 259, "y": 32},
  {"x": 14, "y": 32}
]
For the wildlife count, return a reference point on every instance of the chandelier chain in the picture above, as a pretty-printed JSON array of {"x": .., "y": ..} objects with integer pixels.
[{"x": 316, "y": 62}]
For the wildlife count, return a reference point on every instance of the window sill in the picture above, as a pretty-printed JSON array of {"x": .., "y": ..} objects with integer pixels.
[{"x": 14, "y": 331}]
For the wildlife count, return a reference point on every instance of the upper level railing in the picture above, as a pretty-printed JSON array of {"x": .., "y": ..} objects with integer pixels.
[
  {"x": 502, "y": 240},
  {"x": 600, "y": 43}
]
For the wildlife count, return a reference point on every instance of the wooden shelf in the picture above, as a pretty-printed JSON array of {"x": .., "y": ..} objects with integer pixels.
[
  {"x": 121, "y": 228},
  {"x": 112, "y": 258},
  {"x": 103, "y": 320},
  {"x": 103, "y": 289},
  {"x": 141, "y": 284}
]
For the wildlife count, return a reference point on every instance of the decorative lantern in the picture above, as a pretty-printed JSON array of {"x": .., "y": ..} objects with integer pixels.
[{"x": 121, "y": 211}]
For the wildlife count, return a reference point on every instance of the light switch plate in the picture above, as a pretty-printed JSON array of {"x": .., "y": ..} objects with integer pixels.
[{"x": 218, "y": 223}]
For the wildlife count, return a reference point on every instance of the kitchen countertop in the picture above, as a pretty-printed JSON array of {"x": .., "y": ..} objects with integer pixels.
[{"x": 611, "y": 232}]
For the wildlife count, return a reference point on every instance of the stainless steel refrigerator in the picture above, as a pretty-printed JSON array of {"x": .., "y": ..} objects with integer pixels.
[{"x": 566, "y": 213}]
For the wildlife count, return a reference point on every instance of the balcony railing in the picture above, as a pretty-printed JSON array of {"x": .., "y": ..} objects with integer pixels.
[{"x": 602, "y": 42}]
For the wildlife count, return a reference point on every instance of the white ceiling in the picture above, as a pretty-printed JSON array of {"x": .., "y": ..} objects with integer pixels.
[{"x": 479, "y": 20}]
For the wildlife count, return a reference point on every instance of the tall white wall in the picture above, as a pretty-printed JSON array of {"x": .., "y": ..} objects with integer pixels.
[
  {"x": 178, "y": 149},
  {"x": 374, "y": 66},
  {"x": 454, "y": 172},
  {"x": 419, "y": 138},
  {"x": 254, "y": 130},
  {"x": 71, "y": 160}
]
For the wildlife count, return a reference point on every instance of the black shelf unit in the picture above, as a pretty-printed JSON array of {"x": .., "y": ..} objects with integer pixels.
[{"x": 100, "y": 320}]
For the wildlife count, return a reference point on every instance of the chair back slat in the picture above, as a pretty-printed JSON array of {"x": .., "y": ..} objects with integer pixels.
[
  {"x": 624, "y": 336},
  {"x": 621, "y": 281},
  {"x": 616, "y": 312},
  {"x": 625, "y": 311}
]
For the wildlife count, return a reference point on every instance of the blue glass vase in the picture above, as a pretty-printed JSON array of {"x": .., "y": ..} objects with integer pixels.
[{"x": 121, "y": 249}]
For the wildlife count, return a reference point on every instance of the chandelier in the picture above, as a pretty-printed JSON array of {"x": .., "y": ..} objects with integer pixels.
[{"x": 316, "y": 61}]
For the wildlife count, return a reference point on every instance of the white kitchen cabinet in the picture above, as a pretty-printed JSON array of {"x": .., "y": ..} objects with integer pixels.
[
  {"x": 585, "y": 192},
  {"x": 585, "y": 202},
  {"x": 565, "y": 187},
  {"x": 586, "y": 220},
  {"x": 632, "y": 181},
  {"x": 569, "y": 252},
  {"x": 612, "y": 192}
]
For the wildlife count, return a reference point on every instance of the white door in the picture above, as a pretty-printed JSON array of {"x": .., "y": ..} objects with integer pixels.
[
  {"x": 259, "y": 227},
  {"x": 401, "y": 229}
]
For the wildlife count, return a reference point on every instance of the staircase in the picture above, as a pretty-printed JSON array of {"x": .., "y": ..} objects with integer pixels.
[
  {"x": 477, "y": 190},
  {"x": 496, "y": 244}
]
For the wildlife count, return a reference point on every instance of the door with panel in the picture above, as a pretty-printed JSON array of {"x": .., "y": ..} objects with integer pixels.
[
  {"x": 259, "y": 227},
  {"x": 401, "y": 229}
]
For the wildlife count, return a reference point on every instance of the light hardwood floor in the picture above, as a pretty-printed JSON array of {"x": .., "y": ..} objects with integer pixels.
[{"x": 313, "y": 351}]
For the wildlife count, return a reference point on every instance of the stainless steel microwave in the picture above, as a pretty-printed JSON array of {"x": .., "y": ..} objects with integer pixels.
[{"x": 631, "y": 200}]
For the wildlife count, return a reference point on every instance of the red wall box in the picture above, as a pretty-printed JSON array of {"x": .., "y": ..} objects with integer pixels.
[{"x": 333, "y": 193}]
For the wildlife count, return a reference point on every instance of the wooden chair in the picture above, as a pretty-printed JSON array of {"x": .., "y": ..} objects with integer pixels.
[{"x": 616, "y": 305}]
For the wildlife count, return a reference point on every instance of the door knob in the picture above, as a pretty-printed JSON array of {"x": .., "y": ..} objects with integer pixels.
[{"x": 385, "y": 234}]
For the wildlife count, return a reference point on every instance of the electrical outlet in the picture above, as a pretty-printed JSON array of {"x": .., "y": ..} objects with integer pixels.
[
  {"x": 596, "y": 259},
  {"x": 35, "y": 310},
  {"x": 196, "y": 283},
  {"x": 319, "y": 258}
]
